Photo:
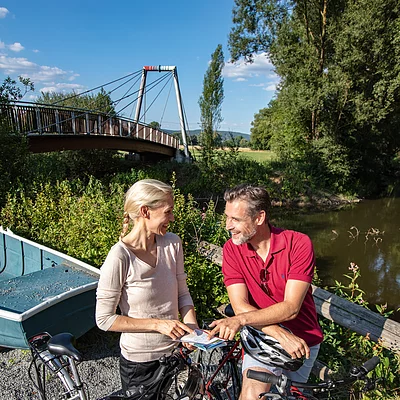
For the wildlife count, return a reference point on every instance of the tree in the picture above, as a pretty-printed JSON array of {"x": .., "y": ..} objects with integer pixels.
[
  {"x": 100, "y": 101},
  {"x": 10, "y": 91},
  {"x": 210, "y": 103},
  {"x": 13, "y": 147},
  {"x": 155, "y": 125},
  {"x": 262, "y": 128},
  {"x": 339, "y": 68}
]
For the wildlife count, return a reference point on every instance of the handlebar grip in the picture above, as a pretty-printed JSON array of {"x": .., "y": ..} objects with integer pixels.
[
  {"x": 370, "y": 364},
  {"x": 264, "y": 377}
]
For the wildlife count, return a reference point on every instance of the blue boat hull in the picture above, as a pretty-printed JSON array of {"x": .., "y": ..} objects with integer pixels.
[{"x": 53, "y": 292}]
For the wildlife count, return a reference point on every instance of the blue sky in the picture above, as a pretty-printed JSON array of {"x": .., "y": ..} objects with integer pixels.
[{"x": 79, "y": 45}]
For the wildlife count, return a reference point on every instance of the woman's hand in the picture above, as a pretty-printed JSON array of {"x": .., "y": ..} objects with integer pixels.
[{"x": 173, "y": 328}]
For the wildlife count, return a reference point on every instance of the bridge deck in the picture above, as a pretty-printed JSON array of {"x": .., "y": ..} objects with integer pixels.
[{"x": 62, "y": 128}]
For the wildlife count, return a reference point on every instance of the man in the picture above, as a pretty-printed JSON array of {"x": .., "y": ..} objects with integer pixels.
[{"x": 268, "y": 273}]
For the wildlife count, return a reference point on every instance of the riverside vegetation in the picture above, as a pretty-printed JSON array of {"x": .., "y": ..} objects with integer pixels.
[{"x": 72, "y": 201}]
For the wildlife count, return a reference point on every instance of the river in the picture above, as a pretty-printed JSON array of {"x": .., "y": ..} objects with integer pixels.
[{"x": 367, "y": 234}]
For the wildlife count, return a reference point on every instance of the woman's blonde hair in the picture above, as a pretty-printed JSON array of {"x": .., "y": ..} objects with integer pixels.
[{"x": 146, "y": 192}]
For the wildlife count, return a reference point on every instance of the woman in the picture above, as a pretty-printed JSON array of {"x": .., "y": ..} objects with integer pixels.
[{"x": 143, "y": 274}]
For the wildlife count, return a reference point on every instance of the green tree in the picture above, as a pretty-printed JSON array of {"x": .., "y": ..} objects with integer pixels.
[
  {"x": 11, "y": 91},
  {"x": 100, "y": 101},
  {"x": 262, "y": 129},
  {"x": 155, "y": 125},
  {"x": 339, "y": 64},
  {"x": 13, "y": 147},
  {"x": 210, "y": 103}
]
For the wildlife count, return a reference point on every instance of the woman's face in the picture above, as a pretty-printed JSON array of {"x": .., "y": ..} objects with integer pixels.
[{"x": 160, "y": 217}]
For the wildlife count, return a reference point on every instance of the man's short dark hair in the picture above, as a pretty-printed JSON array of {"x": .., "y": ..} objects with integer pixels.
[{"x": 256, "y": 197}]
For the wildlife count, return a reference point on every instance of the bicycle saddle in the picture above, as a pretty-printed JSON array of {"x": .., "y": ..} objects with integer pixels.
[{"x": 62, "y": 345}]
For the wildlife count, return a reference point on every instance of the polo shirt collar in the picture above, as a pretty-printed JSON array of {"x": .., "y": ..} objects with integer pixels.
[{"x": 277, "y": 243}]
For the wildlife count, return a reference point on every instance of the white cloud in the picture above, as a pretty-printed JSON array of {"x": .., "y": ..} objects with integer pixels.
[
  {"x": 270, "y": 88},
  {"x": 2, "y": 45},
  {"x": 17, "y": 47},
  {"x": 37, "y": 73},
  {"x": 35, "y": 51},
  {"x": 3, "y": 12},
  {"x": 261, "y": 66},
  {"x": 63, "y": 87}
]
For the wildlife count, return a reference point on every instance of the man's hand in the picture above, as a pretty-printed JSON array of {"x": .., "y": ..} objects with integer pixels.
[
  {"x": 294, "y": 345},
  {"x": 226, "y": 328}
]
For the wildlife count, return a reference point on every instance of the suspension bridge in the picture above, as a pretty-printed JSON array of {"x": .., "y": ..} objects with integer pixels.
[{"x": 58, "y": 127}]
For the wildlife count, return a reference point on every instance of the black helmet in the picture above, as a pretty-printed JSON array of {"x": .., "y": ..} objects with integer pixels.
[{"x": 267, "y": 350}]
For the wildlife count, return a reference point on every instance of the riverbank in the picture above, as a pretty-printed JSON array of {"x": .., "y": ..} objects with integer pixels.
[{"x": 99, "y": 370}]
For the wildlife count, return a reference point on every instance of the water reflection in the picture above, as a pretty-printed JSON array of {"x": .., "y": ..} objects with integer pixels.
[{"x": 366, "y": 234}]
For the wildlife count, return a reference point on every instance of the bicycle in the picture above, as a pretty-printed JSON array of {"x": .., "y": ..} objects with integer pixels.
[
  {"x": 58, "y": 356},
  {"x": 222, "y": 375},
  {"x": 290, "y": 390},
  {"x": 221, "y": 366}
]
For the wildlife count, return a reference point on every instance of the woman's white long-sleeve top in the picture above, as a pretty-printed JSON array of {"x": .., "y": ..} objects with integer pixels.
[{"x": 143, "y": 291}]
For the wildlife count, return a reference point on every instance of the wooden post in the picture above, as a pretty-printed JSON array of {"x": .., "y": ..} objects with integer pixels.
[
  {"x": 58, "y": 127},
  {"x": 99, "y": 122},
  {"x": 87, "y": 123},
  {"x": 73, "y": 123},
  {"x": 39, "y": 124}
]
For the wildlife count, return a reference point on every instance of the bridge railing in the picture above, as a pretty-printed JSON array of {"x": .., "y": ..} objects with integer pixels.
[{"x": 39, "y": 119}]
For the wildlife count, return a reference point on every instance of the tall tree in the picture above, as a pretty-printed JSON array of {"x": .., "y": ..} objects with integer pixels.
[{"x": 210, "y": 103}]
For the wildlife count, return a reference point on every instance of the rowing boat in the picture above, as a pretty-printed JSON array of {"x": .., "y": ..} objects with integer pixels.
[{"x": 42, "y": 290}]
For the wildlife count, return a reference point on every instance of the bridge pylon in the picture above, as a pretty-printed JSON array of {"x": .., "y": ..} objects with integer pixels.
[{"x": 173, "y": 70}]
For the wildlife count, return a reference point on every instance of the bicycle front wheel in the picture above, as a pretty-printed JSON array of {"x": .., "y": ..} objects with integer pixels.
[{"x": 221, "y": 369}]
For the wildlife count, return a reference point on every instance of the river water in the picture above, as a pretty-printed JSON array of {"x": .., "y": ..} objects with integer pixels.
[{"x": 367, "y": 234}]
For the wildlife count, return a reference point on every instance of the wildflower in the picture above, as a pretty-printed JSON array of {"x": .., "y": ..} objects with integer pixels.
[{"x": 353, "y": 267}]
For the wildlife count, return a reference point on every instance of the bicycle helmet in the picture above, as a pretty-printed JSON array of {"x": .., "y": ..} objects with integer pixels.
[{"x": 267, "y": 349}]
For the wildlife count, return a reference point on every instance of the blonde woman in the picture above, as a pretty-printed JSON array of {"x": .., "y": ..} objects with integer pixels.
[{"x": 143, "y": 274}]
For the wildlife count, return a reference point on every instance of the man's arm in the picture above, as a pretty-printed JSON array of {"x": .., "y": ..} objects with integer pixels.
[{"x": 246, "y": 314}]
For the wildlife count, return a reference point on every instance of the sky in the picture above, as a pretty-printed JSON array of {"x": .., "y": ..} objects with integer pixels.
[{"x": 73, "y": 45}]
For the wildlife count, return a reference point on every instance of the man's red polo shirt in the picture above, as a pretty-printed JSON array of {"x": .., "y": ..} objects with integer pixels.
[{"x": 291, "y": 256}]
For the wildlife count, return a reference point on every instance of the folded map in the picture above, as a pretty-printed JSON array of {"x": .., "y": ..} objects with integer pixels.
[{"x": 199, "y": 338}]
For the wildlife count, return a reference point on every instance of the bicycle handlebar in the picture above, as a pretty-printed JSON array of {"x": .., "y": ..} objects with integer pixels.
[
  {"x": 357, "y": 373},
  {"x": 264, "y": 377},
  {"x": 368, "y": 366}
]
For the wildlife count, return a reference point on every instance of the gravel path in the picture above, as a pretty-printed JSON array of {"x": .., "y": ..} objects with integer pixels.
[{"x": 100, "y": 369}]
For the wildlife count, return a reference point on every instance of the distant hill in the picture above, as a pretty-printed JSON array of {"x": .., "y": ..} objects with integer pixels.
[{"x": 225, "y": 134}]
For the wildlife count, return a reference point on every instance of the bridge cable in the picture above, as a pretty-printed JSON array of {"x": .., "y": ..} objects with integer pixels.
[
  {"x": 152, "y": 84},
  {"x": 147, "y": 109},
  {"x": 98, "y": 87},
  {"x": 166, "y": 102},
  {"x": 136, "y": 92}
]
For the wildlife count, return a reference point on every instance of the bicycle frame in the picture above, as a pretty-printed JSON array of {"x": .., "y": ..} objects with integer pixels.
[
  {"x": 58, "y": 355},
  {"x": 60, "y": 362}
]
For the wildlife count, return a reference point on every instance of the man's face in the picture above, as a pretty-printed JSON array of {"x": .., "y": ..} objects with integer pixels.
[{"x": 238, "y": 222}]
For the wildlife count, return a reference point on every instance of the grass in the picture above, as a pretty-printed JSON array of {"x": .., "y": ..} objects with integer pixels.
[
  {"x": 260, "y": 156},
  {"x": 257, "y": 155}
]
